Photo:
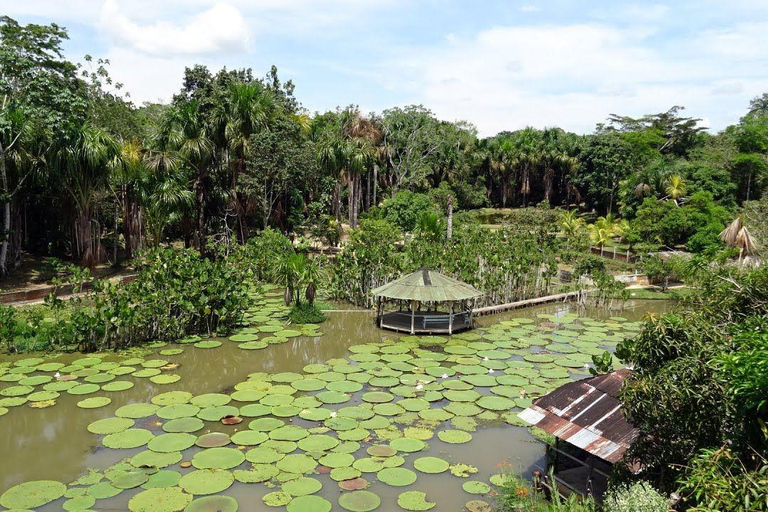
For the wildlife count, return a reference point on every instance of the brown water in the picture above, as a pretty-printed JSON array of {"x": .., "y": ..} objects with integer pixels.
[{"x": 54, "y": 444}]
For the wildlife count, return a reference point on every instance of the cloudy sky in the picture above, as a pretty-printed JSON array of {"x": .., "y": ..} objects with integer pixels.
[{"x": 500, "y": 64}]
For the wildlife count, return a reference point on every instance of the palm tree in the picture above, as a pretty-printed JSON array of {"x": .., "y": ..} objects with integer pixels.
[
  {"x": 570, "y": 222},
  {"x": 675, "y": 188},
  {"x": 187, "y": 132},
  {"x": 603, "y": 230},
  {"x": 84, "y": 164},
  {"x": 737, "y": 235},
  {"x": 249, "y": 108},
  {"x": 129, "y": 171}
]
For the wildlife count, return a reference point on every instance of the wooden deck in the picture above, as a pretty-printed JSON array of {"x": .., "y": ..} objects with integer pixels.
[{"x": 432, "y": 322}]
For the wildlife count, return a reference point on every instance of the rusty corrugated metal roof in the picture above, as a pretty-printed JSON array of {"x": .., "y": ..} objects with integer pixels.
[
  {"x": 427, "y": 286},
  {"x": 587, "y": 414}
]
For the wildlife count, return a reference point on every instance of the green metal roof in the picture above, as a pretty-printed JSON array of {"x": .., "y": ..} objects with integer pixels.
[{"x": 427, "y": 286}]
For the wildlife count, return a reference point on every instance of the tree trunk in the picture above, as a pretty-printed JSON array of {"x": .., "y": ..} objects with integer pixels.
[
  {"x": 200, "y": 215},
  {"x": 6, "y": 214},
  {"x": 449, "y": 233},
  {"x": 351, "y": 198},
  {"x": 375, "y": 182}
]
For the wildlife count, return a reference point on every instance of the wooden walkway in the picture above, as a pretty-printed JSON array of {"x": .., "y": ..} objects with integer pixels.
[{"x": 563, "y": 297}]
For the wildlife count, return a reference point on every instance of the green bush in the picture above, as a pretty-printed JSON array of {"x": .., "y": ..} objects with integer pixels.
[
  {"x": 176, "y": 292},
  {"x": 305, "y": 313},
  {"x": 405, "y": 208},
  {"x": 638, "y": 497}
]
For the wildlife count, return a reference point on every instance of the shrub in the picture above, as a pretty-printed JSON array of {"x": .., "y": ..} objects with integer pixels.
[
  {"x": 638, "y": 497},
  {"x": 404, "y": 209},
  {"x": 304, "y": 313}
]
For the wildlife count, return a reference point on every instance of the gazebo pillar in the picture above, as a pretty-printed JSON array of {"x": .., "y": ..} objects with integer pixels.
[
  {"x": 450, "y": 319},
  {"x": 413, "y": 316}
]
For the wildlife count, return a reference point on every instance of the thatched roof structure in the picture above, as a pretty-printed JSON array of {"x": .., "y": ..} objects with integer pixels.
[{"x": 427, "y": 286}]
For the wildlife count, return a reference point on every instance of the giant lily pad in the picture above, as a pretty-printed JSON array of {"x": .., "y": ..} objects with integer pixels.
[
  {"x": 277, "y": 499},
  {"x": 213, "y": 504},
  {"x": 431, "y": 465},
  {"x": 415, "y": 501},
  {"x": 407, "y": 445},
  {"x": 161, "y": 499},
  {"x": 213, "y": 440},
  {"x": 302, "y": 486},
  {"x": 359, "y": 501},
  {"x": 94, "y": 402},
  {"x": 155, "y": 459},
  {"x": 258, "y": 473},
  {"x": 130, "y": 438},
  {"x": 475, "y": 487},
  {"x": 454, "y": 436},
  {"x": 136, "y": 411},
  {"x": 396, "y": 477},
  {"x": 297, "y": 463},
  {"x": 495, "y": 403},
  {"x": 32, "y": 494},
  {"x": 218, "y": 458},
  {"x": 206, "y": 481},
  {"x": 249, "y": 438},
  {"x": 173, "y": 442},
  {"x": 188, "y": 425},
  {"x": 110, "y": 425}
]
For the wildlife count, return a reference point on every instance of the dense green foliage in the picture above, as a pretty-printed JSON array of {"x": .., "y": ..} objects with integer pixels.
[
  {"x": 234, "y": 153},
  {"x": 513, "y": 263},
  {"x": 698, "y": 392},
  {"x": 176, "y": 292}
]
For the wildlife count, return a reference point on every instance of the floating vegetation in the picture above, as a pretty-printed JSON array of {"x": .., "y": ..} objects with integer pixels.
[{"x": 368, "y": 422}]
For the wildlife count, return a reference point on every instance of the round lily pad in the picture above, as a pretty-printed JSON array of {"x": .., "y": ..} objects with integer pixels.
[
  {"x": 83, "y": 389},
  {"x": 32, "y": 494},
  {"x": 277, "y": 499},
  {"x": 263, "y": 455},
  {"x": 206, "y": 481},
  {"x": 211, "y": 400},
  {"x": 84, "y": 502},
  {"x": 309, "y": 504},
  {"x": 415, "y": 501},
  {"x": 248, "y": 438},
  {"x": 495, "y": 403},
  {"x": 155, "y": 459},
  {"x": 302, "y": 486},
  {"x": 117, "y": 385},
  {"x": 396, "y": 477},
  {"x": 218, "y": 458},
  {"x": 213, "y": 440},
  {"x": 478, "y": 506},
  {"x": 187, "y": 425},
  {"x": 164, "y": 379},
  {"x": 475, "y": 487},
  {"x": 213, "y": 504},
  {"x": 454, "y": 436},
  {"x": 172, "y": 412},
  {"x": 94, "y": 402},
  {"x": 161, "y": 499},
  {"x": 172, "y": 398},
  {"x": 110, "y": 425},
  {"x": 337, "y": 460},
  {"x": 130, "y": 438},
  {"x": 318, "y": 442},
  {"x": 359, "y": 501},
  {"x": 173, "y": 442},
  {"x": 407, "y": 445},
  {"x": 130, "y": 479},
  {"x": 103, "y": 491},
  {"x": 431, "y": 465},
  {"x": 208, "y": 344},
  {"x": 377, "y": 397},
  {"x": 297, "y": 463}
]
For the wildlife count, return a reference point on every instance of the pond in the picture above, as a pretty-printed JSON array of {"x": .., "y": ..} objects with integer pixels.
[{"x": 439, "y": 403}]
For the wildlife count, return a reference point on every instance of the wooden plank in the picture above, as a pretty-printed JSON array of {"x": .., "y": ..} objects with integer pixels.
[{"x": 489, "y": 310}]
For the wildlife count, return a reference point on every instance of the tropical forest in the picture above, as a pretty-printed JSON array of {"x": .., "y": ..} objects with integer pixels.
[{"x": 231, "y": 301}]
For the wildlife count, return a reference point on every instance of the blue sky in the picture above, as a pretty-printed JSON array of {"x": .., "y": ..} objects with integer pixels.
[{"x": 500, "y": 65}]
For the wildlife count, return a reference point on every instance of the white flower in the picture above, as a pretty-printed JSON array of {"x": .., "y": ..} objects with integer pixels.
[
  {"x": 444, "y": 376},
  {"x": 333, "y": 414},
  {"x": 419, "y": 386},
  {"x": 57, "y": 375},
  {"x": 490, "y": 371},
  {"x": 485, "y": 358}
]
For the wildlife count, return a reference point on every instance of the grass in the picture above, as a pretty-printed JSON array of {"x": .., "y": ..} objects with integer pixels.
[{"x": 305, "y": 314}]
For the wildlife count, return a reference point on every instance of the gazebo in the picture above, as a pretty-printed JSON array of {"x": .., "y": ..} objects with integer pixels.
[{"x": 418, "y": 297}]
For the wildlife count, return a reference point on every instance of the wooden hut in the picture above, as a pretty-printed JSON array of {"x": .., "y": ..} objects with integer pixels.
[
  {"x": 425, "y": 302},
  {"x": 590, "y": 429}
]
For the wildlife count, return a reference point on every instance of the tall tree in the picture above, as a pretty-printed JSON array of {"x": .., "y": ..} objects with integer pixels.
[{"x": 37, "y": 85}]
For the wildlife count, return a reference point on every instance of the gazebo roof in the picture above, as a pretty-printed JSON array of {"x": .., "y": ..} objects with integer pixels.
[{"x": 427, "y": 286}]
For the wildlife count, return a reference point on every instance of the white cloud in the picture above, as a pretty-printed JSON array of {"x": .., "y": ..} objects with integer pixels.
[
  {"x": 574, "y": 76},
  {"x": 221, "y": 28}
]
